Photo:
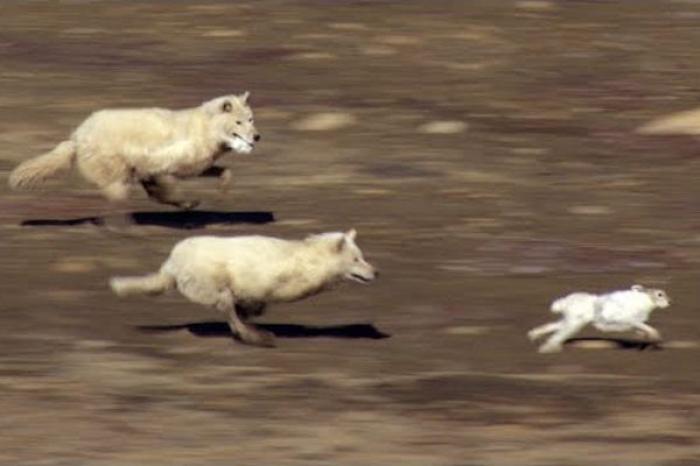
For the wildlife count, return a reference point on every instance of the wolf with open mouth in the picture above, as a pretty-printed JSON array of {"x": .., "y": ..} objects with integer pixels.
[
  {"x": 116, "y": 148},
  {"x": 239, "y": 276}
]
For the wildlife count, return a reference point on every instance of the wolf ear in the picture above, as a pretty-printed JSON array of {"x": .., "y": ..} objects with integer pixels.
[
  {"x": 244, "y": 97},
  {"x": 226, "y": 107},
  {"x": 340, "y": 244},
  {"x": 351, "y": 234},
  {"x": 637, "y": 288}
]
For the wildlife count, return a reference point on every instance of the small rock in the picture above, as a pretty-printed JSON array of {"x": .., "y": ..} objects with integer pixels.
[
  {"x": 379, "y": 51},
  {"x": 80, "y": 30},
  {"x": 296, "y": 222},
  {"x": 327, "y": 121},
  {"x": 529, "y": 269},
  {"x": 74, "y": 265},
  {"x": 398, "y": 40},
  {"x": 443, "y": 127},
  {"x": 530, "y": 151},
  {"x": 687, "y": 122},
  {"x": 223, "y": 33},
  {"x": 94, "y": 344},
  {"x": 535, "y": 5},
  {"x": 348, "y": 26},
  {"x": 267, "y": 113},
  {"x": 590, "y": 210},
  {"x": 313, "y": 56},
  {"x": 373, "y": 191}
]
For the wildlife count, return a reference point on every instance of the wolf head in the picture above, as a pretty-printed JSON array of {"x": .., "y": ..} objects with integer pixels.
[
  {"x": 348, "y": 262},
  {"x": 232, "y": 121},
  {"x": 353, "y": 264},
  {"x": 658, "y": 297}
]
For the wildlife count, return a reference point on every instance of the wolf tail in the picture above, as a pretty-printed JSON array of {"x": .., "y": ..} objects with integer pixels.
[
  {"x": 35, "y": 171},
  {"x": 152, "y": 283}
]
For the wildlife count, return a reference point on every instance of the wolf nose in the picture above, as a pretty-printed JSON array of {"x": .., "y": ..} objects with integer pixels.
[{"x": 256, "y": 138}]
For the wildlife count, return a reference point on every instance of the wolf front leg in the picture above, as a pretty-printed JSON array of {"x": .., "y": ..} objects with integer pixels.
[
  {"x": 225, "y": 179},
  {"x": 117, "y": 191},
  {"x": 163, "y": 189},
  {"x": 224, "y": 175}
]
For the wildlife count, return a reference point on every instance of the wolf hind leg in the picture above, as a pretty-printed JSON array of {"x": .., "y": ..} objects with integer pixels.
[
  {"x": 107, "y": 171},
  {"x": 200, "y": 287},
  {"x": 248, "y": 310},
  {"x": 248, "y": 333},
  {"x": 116, "y": 191},
  {"x": 163, "y": 189}
]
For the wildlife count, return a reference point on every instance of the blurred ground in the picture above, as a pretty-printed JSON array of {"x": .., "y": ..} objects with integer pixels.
[{"x": 486, "y": 153}]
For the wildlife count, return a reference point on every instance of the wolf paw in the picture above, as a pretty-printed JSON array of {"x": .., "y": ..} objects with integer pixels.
[
  {"x": 258, "y": 337},
  {"x": 188, "y": 205}
]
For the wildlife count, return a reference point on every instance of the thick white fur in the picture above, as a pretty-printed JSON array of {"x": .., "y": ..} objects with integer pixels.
[
  {"x": 240, "y": 275},
  {"x": 617, "y": 311},
  {"x": 115, "y": 147}
]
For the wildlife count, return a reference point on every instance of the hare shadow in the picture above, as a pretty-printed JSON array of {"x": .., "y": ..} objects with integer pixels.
[
  {"x": 221, "y": 329},
  {"x": 180, "y": 219},
  {"x": 619, "y": 343}
]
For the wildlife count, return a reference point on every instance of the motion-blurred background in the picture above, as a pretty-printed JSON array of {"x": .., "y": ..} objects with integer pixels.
[{"x": 486, "y": 152}]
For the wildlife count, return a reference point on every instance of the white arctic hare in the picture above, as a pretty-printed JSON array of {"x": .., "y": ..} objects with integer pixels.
[
  {"x": 617, "y": 311},
  {"x": 241, "y": 275}
]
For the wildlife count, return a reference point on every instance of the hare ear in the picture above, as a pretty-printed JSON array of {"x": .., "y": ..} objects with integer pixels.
[
  {"x": 637, "y": 288},
  {"x": 351, "y": 234}
]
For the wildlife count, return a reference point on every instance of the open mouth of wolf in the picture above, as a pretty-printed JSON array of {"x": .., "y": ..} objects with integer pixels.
[
  {"x": 360, "y": 278},
  {"x": 238, "y": 144}
]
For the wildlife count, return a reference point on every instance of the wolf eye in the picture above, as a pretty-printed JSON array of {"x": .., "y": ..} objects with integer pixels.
[
  {"x": 238, "y": 122},
  {"x": 250, "y": 120}
]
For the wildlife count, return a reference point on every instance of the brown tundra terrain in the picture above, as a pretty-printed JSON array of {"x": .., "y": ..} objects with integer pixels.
[{"x": 485, "y": 151}]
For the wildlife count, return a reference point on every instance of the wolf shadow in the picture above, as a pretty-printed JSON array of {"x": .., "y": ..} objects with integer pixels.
[
  {"x": 221, "y": 329},
  {"x": 180, "y": 219}
]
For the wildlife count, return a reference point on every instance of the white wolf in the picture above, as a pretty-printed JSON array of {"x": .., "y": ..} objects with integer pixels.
[
  {"x": 240, "y": 275},
  {"x": 153, "y": 146},
  {"x": 617, "y": 311}
]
